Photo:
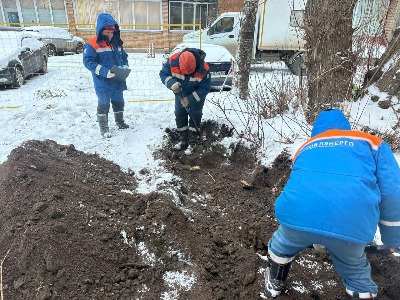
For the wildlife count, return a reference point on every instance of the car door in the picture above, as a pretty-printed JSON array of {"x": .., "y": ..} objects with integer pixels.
[
  {"x": 65, "y": 39},
  {"x": 71, "y": 44},
  {"x": 29, "y": 57}
]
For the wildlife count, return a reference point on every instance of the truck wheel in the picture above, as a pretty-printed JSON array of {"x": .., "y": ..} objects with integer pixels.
[{"x": 298, "y": 67}]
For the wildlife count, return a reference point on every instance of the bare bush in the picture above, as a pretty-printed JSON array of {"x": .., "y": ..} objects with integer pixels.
[
  {"x": 45, "y": 94},
  {"x": 389, "y": 136},
  {"x": 271, "y": 96},
  {"x": 277, "y": 94}
]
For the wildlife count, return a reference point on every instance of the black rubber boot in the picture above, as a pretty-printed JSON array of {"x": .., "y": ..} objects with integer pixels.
[
  {"x": 193, "y": 138},
  {"x": 119, "y": 120},
  {"x": 183, "y": 140},
  {"x": 275, "y": 277},
  {"x": 103, "y": 123}
]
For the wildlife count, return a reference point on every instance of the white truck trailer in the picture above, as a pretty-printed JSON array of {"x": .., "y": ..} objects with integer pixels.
[{"x": 277, "y": 35}]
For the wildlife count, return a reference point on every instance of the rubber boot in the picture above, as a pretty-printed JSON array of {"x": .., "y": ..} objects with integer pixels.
[
  {"x": 119, "y": 120},
  {"x": 276, "y": 275},
  {"x": 350, "y": 295},
  {"x": 103, "y": 123},
  {"x": 193, "y": 139},
  {"x": 183, "y": 140}
]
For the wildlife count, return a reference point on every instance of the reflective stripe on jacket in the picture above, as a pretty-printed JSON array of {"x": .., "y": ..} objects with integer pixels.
[
  {"x": 195, "y": 86},
  {"x": 100, "y": 56}
]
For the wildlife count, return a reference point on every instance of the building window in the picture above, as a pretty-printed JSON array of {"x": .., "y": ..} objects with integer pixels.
[
  {"x": 127, "y": 13},
  {"x": 43, "y": 9},
  {"x": 58, "y": 11},
  {"x": 144, "y": 15},
  {"x": 10, "y": 12},
  {"x": 27, "y": 12},
  {"x": 185, "y": 13}
]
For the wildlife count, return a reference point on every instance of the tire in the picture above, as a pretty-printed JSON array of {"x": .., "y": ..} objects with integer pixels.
[
  {"x": 51, "y": 50},
  {"x": 297, "y": 67},
  {"x": 79, "y": 48},
  {"x": 18, "y": 77},
  {"x": 43, "y": 69}
]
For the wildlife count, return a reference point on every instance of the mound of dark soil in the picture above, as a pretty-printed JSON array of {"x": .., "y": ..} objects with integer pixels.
[{"x": 72, "y": 227}]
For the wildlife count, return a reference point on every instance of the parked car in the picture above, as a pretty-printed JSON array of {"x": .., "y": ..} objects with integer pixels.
[
  {"x": 57, "y": 39},
  {"x": 11, "y": 28},
  {"x": 21, "y": 55},
  {"x": 220, "y": 61}
]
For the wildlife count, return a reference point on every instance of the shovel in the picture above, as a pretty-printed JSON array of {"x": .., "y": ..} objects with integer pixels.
[{"x": 194, "y": 122}]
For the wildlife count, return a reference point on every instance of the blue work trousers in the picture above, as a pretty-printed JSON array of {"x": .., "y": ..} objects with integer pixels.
[
  {"x": 116, "y": 98},
  {"x": 182, "y": 117},
  {"x": 349, "y": 259}
]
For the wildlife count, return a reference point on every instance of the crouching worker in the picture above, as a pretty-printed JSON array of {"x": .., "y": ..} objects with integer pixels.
[
  {"x": 187, "y": 75},
  {"x": 102, "y": 52},
  {"x": 343, "y": 184}
]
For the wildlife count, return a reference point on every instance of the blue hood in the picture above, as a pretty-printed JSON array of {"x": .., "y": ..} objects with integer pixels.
[
  {"x": 104, "y": 20},
  {"x": 330, "y": 119}
]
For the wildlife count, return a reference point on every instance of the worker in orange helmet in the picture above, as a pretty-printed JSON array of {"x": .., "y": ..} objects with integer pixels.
[{"x": 188, "y": 76}]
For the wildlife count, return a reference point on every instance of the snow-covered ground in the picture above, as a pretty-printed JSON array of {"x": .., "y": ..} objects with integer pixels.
[{"x": 61, "y": 106}]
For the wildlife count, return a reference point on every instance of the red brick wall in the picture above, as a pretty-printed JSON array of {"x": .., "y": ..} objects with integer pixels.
[{"x": 230, "y": 5}]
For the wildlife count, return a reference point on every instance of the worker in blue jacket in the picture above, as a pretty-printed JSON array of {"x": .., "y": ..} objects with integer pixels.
[
  {"x": 188, "y": 76},
  {"x": 343, "y": 185},
  {"x": 101, "y": 53}
]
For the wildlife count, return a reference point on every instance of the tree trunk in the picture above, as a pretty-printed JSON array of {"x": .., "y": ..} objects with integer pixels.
[
  {"x": 389, "y": 81},
  {"x": 329, "y": 60},
  {"x": 245, "y": 47}
]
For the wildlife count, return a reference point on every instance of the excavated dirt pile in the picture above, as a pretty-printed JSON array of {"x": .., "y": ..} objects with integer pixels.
[{"x": 73, "y": 227}]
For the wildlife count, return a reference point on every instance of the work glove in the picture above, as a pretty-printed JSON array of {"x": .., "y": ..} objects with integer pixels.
[
  {"x": 176, "y": 88},
  {"x": 184, "y": 102},
  {"x": 110, "y": 75}
]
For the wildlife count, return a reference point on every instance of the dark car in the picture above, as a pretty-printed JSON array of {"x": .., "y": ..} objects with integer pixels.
[
  {"x": 220, "y": 61},
  {"x": 21, "y": 55},
  {"x": 57, "y": 39}
]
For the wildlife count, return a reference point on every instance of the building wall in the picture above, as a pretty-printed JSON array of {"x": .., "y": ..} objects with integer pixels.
[
  {"x": 162, "y": 41},
  {"x": 230, "y": 5}
]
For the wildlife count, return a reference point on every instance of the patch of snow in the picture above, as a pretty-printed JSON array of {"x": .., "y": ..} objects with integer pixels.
[{"x": 179, "y": 280}]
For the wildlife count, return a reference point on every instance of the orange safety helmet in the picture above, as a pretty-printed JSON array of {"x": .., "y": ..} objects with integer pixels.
[{"x": 187, "y": 62}]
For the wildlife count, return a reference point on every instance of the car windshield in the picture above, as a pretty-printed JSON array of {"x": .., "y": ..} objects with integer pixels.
[{"x": 11, "y": 41}]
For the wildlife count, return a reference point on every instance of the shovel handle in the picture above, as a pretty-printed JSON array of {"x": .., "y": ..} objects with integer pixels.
[{"x": 180, "y": 95}]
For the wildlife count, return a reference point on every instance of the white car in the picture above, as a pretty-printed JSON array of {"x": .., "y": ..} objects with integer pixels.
[
  {"x": 57, "y": 39},
  {"x": 220, "y": 61}
]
